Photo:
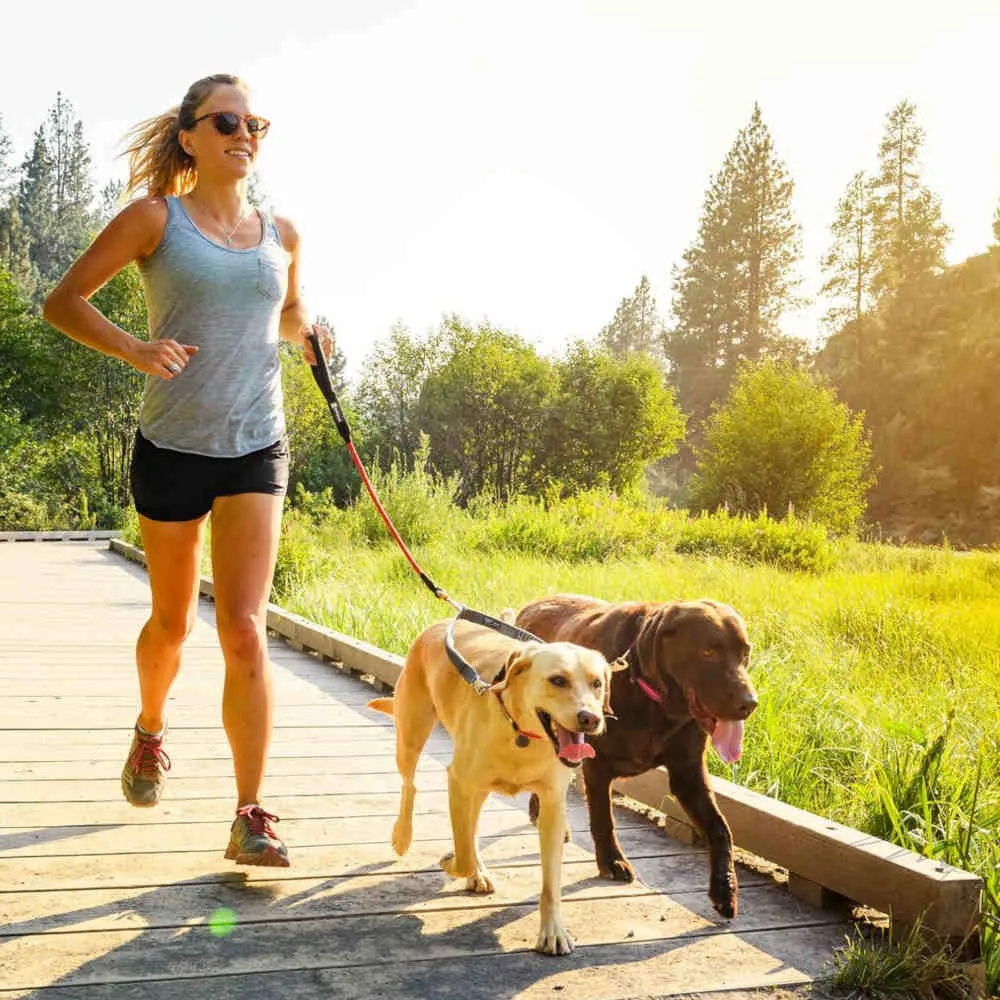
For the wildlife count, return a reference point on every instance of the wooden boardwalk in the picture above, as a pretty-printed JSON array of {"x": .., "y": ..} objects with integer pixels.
[{"x": 98, "y": 899}]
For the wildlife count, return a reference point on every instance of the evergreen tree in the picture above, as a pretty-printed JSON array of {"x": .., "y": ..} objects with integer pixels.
[
  {"x": 738, "y": 277},
  {"x": 996, "y": 224},
  {"x": 55, "y": 194},
  {"x": 6, "y": 170},
  {"x": 36, "y": 205},
  {"x": 636, "y": 326},
  {"x": 850, "y": 260},
  {"x": 909, "y": 234},
  {"x": 15, "y": 252}
]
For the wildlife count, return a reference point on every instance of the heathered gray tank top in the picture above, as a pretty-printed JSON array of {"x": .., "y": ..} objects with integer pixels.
[{"x": 227, "y": 402}]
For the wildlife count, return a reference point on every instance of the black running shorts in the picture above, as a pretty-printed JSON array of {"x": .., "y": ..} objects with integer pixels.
[{"x": 178, "y": 486}]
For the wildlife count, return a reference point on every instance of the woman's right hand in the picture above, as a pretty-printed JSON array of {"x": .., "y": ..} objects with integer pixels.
[{"x": 165, "y": 359}]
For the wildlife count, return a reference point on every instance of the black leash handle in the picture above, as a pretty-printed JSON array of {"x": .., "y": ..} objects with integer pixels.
[{"x": 321, "y": 373}]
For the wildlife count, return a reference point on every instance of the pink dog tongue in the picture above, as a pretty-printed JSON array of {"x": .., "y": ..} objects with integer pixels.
[
  {"x": 572, "y": 746},
  {"x": 728, "y": 740}
]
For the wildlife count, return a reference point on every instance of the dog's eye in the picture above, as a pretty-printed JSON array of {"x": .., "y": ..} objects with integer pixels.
[
  {"x": 711, "y": 652},
  {"x": 597, "y": 684},
  {"x": 559, "y": 681}
]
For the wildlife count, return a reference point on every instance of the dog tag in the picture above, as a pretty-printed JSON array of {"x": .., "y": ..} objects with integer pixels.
[{"x": 521, "y": 740}]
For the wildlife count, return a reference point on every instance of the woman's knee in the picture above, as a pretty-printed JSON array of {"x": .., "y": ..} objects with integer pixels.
[
  {"x": 243, "y": 638},
  {"x": 170, "y": 627}
]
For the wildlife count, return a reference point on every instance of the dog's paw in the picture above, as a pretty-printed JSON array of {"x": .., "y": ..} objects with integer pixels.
[
  {"x": 617, "y": 869},
  {"x": 481, "y": 883},
  {"x": 402, "y": 837},
  {"x": 553, "y": 938},
  {"x": 449, "y": 867}
]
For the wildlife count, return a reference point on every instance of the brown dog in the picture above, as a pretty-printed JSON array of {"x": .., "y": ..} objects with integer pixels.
[
  {"x": 526, "y": 733},
  {"x": 687, "y": 680}
]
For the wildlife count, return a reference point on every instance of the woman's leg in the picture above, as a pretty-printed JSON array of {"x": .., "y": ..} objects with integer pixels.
[
  {"x": 173, "y": 558},
  {"x": 173, "y": 555},
  {"x": 245, "y": 530}
]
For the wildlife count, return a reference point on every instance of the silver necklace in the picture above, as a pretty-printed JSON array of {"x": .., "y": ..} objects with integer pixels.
[
  {"x": 232, "y": 232},
  {"x": 243, "y": 218}
]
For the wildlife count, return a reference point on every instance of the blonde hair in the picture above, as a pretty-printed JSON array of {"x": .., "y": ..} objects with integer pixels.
[{"x": 157, "y": 163}]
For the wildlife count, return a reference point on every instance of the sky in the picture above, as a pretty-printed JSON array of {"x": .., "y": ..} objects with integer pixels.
[{"x": 526, "y": 162}]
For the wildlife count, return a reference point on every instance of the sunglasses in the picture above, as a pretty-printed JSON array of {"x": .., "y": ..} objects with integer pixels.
[{"x": 227, "y": 122}]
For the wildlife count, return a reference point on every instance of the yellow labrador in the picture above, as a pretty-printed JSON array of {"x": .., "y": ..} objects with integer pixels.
[{"x": 526, "y": 733}]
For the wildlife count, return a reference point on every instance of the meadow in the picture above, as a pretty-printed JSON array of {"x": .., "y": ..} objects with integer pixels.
[{"x": 877, "y": 666}]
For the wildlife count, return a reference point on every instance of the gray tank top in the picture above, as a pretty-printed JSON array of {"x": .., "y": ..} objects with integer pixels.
[{"x": 227, "y": 402}]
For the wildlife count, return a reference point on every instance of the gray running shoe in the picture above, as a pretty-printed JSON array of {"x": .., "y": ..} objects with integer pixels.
[
  {"x": 252, "y": 841},
  {"x": 143, "y": 775}
]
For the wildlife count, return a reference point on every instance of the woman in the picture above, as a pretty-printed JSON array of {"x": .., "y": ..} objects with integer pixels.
[{"x": 221, "y": 286}]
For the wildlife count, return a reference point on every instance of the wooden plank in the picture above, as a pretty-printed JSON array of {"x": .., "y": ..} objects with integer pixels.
[
  {"x": 90, "y": 955},
  {"x": 373, "y": 885},
  {"x": 711, "y": 963},
  {"x": 188, "y": 788},
  {"x": 100, "y": 857},
  {"x": 852, "y": 864},
  {"x": 56, "y": 845}
]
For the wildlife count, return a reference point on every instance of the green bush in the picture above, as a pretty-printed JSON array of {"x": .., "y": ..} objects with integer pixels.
[
  {"x": 783, "y": 443},
  {"x": 20, "y": 512}
]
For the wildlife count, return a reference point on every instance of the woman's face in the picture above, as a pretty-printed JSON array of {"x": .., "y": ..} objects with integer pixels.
[{"x": 217, "y": 154}]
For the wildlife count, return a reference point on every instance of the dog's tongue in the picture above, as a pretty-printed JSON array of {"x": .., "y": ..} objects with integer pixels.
[
  {"x": 572, "y": 746},
  {"x": 727, "y": 738}
]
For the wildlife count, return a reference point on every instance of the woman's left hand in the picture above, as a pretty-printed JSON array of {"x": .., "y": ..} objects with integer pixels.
[{"x": 325, "y": 342}]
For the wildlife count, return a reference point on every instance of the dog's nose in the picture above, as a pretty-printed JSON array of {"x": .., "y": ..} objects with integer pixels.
[
  {"x": 746, "y": 706},
  {"x": 587, "y": 721}
]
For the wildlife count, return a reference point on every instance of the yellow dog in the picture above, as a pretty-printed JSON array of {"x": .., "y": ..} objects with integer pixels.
[{"x": 525, "y": 734}]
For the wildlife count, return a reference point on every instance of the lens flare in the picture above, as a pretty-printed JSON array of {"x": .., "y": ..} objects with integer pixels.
[{"x": 222, "y": 921}]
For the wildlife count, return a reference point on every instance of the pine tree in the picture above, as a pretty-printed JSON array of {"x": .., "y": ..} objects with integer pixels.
[
  {"x": 15, "y": 252},
  {"x": 738, "y": 277},
  {"x": 6, "y": 170},
  {"x": 636, "y": 327},
  {"x": 909, "y": 234},
  {"x": 850, "y": 260},
  {"x": 55, "y": 194}
]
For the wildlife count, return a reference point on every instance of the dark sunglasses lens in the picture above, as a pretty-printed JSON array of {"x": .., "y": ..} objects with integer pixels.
[
  {"x": 225, "y": 122},
  {"x": 257, "y": 126}
]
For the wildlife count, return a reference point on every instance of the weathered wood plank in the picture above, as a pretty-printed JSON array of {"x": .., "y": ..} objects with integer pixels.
[
  {"x": 624, "y": 969},
  {"x": 372, "y": 886},
  {"x": 91, "y": 955}
]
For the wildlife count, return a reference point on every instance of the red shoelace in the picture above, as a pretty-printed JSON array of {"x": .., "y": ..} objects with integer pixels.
[
  {"x": 147, "y": 757},
  {"x": 258, "y": 820}
]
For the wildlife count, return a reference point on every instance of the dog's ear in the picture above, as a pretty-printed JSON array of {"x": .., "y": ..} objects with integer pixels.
[
  {"x": 660, "y": 625},
  {"x": 517, "y": 663},
  {"x": 613, "y": 668}
]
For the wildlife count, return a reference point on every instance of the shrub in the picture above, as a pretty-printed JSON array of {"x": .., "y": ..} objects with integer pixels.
[
  {"x": 783, "y": 442},
  {"x": 20, "y": 512}
]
